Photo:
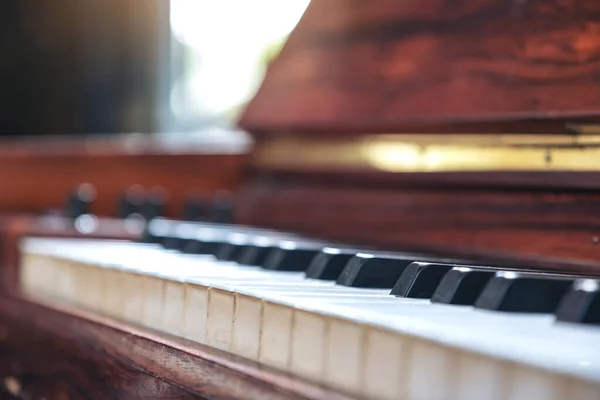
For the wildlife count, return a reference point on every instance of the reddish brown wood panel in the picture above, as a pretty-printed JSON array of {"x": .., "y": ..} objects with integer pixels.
[
  {"x": 33, "y": 183},
  {"x": 499, "y": 180},
  {"x": 59, "y": 355},
  {"x": 539, "y": 228},
  {"x": 388, "y": 65}
]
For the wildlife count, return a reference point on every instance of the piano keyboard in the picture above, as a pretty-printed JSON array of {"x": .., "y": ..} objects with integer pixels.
[{"x": 372, "y": 325}]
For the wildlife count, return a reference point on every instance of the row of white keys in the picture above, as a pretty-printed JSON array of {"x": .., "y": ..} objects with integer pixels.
[
  {"x": 528, "y": 326},
  {"x": 322, "y": 332},
  {"x": 276, "y": 319},
  {"x": 137, "y": 268},
  {"x": 223, "y": 281},
  {"x": 431, "y": 338}
]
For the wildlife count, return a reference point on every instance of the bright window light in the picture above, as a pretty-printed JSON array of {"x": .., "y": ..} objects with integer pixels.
[{"x": 224, "y": 44}]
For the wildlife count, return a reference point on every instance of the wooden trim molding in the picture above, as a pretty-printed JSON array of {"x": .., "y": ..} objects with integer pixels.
[{"x": 405, "y": 153}]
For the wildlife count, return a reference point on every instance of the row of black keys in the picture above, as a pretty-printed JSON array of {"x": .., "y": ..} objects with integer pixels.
[{"x": 571, "y": 298}]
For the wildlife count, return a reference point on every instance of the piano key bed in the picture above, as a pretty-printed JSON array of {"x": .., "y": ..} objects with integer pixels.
[{"x": 368, "y": 324}]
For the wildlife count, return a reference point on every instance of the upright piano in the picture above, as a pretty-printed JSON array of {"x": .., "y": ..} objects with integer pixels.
[{"x": 418, "y": 220}]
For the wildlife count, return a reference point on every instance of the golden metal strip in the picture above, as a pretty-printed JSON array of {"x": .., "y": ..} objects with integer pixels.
[{"x": 435, "y": 153}]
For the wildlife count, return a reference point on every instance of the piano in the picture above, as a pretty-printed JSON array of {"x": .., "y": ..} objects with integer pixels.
[{"x": 418, "y": 220}]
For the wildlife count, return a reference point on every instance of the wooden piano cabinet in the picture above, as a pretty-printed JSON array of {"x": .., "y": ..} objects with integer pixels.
[
  {"x": 57, "y": 353},
  {"x": 465, "y": 129},
  {"x": 36, "y": 177}
]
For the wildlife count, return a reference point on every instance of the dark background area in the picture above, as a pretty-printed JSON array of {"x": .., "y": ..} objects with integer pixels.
[{"x": 82, "y": 67}]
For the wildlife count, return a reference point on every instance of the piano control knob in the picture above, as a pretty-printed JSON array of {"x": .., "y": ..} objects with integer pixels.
[
  {"x": 195, "y": 209},
  {"x": 154, "y": 206},
  {"x": 222, "y": 212},
  {"x": 132, "y": 201},
  {"x": 80, "y": 201}
]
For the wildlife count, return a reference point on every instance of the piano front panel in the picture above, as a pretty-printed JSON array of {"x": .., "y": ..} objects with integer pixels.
[{"x": 547, "y": 229}]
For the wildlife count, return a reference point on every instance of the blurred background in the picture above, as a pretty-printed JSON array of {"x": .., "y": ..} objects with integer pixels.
[{"x": 148, "y": 66}]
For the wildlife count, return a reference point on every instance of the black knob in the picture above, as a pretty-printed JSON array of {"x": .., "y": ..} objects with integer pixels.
[
  {"x": 80, "y": 201},
  {"x": 154, "y": 206},
  {"x": 132, "y": 201},
  {"x": 195, "y": 209},
  {"x": 222, "y": 208}
]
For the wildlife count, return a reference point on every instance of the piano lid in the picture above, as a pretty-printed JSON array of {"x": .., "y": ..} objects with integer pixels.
[{"x": 392, "y": 66}]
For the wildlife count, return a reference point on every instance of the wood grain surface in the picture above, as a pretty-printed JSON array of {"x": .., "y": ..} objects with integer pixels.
[
  {"x": 59, "y": 353},
  {"x": 390, "y": 66},
  {"x": 549, "y": 228},
  {"x": 36, "y": 177}
]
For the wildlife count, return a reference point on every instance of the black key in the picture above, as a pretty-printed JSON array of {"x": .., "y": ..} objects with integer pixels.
[
  {"x": 157, "y": 231},
  {"x": 581, "y": 304},
  {"x": 179, "y": 236},
  {"x": 462, "y": 285},
  {"x": 80, "y": 201},
  {"x": 204, "y": 247},
  {"x": 260, "y": 245},
  {"x": 419, "y": 280},
  {"x": 370, "y": 271},
  {"x": 524, "y": 292},
  {"x": 173, "y": 243},
  {"x": 329, "y": 263},
  {"x": 132, "y": 201},
  {"x": 254, "y": 255},
  {"x": 207, "y": 241},
  {"x": 292, "y": 256},
  {"x": 236, "y": 243},
  {"x": 177, "y": 243}
]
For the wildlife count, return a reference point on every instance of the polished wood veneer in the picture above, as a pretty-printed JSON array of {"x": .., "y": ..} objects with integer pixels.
[
  {"x": 38, "y": 175},
  {"x": 388, "y": 66}
]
